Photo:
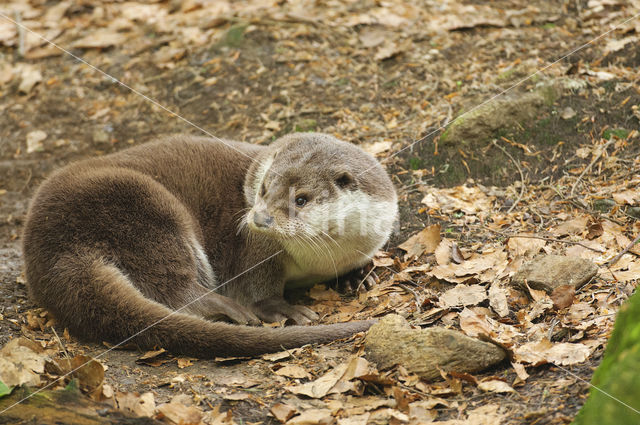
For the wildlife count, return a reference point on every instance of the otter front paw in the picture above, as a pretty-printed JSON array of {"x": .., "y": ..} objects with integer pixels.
[
  {"x": 358, "y": 280},
  {"x": 220, "y": 308},
  {"x": 275, "y": 309}
]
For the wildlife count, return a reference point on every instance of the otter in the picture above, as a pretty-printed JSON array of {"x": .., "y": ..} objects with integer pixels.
[{"x": 158, "y": 243}]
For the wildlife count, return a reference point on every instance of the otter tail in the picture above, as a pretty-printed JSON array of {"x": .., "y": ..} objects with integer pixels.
[{"x": 96, "y": 301}]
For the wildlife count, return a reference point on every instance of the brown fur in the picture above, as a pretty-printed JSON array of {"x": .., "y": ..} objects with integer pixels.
[{"x": 111, "y": 250}]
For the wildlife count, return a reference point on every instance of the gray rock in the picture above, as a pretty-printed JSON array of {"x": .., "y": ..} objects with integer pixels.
[
  {"x": 634, "y": 212},
  {"x": 545, "y": 273},
  {"x": 424, "y": 351},
  {"x": 502, "y": 113},
  {"x": 603, "y": 205}
]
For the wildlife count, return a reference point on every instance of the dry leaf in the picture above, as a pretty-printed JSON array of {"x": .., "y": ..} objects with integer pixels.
[
  {"x": 283, "y": 412},
  {"x": 312, "y": 417},
  {"x": 30, "y": 76},
  {"x": 443, "y": 252},
  {"x": 21, "y": 363},
  {"x": 361, "y": 419},
  {"x": 562, "y": 296},
  {"x": 463, "y": 295},
  {"x": 88, "y": 371},
  {"x": 184, "y": 362},
  {"x": 424, "y": 242},
  {"x": 181, "y": 411},
  {"x": 498, "y": 300},
  {"x": 526, "y": 247},
  {"x": 520, "y": 371},
  {"x": 377, "y": 147},
  {"x": 100, "y": 39},
  {"x": 496, "y": 386},
  {"x": 372, "y": 37},
  {"x": 543, "y": 351},
  {"x": 139, "y": 405},
  {"x": 629, "y": 197},
  {"x": 34, "y": 140},
  {"x": 293, "y": 371},
  {"x": 321, "y": 386},
  {"x": 154, "y": 358}
]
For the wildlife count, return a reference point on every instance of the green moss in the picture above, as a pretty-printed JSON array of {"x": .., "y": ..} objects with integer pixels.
[
  {"x": 303, "y": 125},
  {"x": 4, "y": 389},
  {"x": 549, "y": 94},
  {"x": 235, "y": 35},
  {"x": 615, "y": 396},
  {"x": 415, "y": 163},
  {"x": 506, "y": 75},
  {"x": 620, "y": 133}
]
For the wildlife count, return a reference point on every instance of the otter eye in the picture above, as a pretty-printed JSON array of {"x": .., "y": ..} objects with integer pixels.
[{"x": 301, "y": 201}]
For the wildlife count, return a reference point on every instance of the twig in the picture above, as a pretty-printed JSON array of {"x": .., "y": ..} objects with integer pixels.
[
  {"x": 519, "y": 171},
  {"x": 18, "y": 18},
  {"x": 544, "y": 238},
  {"x": 593, "y": 161},
  {"x": 624, "y": 251},
  {"x": 577, "y": 204},
  {"x": 415, "y": 294},
  {"x": 573, "y": 201},
  {"x": 363, "y": 279},
  {"x": 66, "y": 353}
]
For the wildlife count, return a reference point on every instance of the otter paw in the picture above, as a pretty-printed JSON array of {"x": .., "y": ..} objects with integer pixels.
[
  {"x": 356, "y": 281},
  {"x": 275, "y": 309},
  {"x": 221, "y": 308}
]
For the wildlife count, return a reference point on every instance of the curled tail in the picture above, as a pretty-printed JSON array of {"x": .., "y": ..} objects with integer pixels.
[{"x": 96, "y": 301}]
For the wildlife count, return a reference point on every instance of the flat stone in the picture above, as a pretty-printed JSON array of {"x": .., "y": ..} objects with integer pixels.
[
  {"x": 547, "y": 272},
  {"x": 425, "y": 352}
]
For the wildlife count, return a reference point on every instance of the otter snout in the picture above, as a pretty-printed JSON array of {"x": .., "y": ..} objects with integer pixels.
[{"x": 262, "y": 219}]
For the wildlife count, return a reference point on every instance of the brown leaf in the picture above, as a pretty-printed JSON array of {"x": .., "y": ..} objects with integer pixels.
[
  {"x": 496, "y": 386},
  {"x": 520, "y": 371},
  {"x": 21, "y": 362},
  {"x": 184, "y": 362},
  {"x": 293, "y": 371},
  {"x": 594, "y": 229},
  {"x": 527, "y": 247},
  {"x": 543, "y": 351},
  {"x": 154, "y": 358},
  {"x": 283, "y": 412},
  {"x": 180, "y": 410},
  {"x": 563, "y": 296},
  {"x": 571, "y": 227},
  {"x": 100, "y": 38},
  {"x": 88, "y": 371},
  {"x": 424, "y": 242},
  {"x": 443, "y": 252},
  {"x": 630, "y": 197},
  {"x": 498, "y": 300},
  {"x": 313, "y": 417},
  {"x": 463, "y": 295},
  {"x": 456, "y": 254},
  {"x": 321, "y": 386},
  {"x": 139, "y": 405}
]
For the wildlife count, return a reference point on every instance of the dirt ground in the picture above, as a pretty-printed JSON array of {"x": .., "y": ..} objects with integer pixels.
[{"x": 362, "y": 70}]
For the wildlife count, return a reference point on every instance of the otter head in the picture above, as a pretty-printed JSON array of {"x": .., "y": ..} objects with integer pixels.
[{"x": 330, "y": 204}]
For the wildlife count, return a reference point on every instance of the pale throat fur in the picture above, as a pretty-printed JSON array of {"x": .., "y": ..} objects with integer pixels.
[{"x": 345, "y": 219}]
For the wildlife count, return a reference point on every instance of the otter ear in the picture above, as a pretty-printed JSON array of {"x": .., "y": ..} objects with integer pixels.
[{"x": 345, "y": 179}]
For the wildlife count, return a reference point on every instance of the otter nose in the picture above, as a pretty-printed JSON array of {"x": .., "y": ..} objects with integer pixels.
[{"x": 262, "y": 219}]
